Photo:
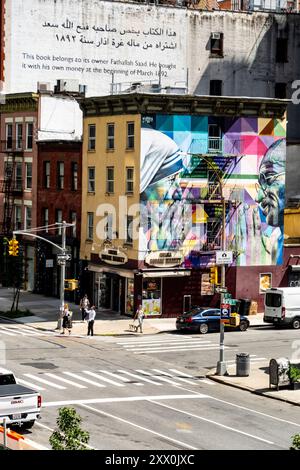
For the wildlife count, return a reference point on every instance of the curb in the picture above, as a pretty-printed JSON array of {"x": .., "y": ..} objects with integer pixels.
[{"x": 251, "y": 390}]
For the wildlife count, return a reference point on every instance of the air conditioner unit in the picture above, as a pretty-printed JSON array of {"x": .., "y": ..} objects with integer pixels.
[
  {"x": 216, "y": 35},
  {"x": 82, "y": 89},
  {"x": 43, "y": 86}
]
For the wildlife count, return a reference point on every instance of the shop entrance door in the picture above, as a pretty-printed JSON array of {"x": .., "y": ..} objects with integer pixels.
[{"x": 187, "y": 303}]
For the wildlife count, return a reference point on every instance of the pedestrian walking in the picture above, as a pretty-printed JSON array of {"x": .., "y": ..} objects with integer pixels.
[
  {"x": 91, "y": 320},
  {"x": 67, "y": 320},
  {"x": 139, "y": 316},
  {"x": 84, "y": 306}
]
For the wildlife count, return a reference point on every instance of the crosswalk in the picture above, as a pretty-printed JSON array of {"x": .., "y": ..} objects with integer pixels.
[
  {"x": 169, "y": 344},
  {"x": 101, "y": 379},
  {"x": 23, "y": 330}
]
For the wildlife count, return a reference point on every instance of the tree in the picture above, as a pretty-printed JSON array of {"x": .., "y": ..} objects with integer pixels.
[
  {"x": 69, "y": 435},
  {"x": 296, "y": 442}
]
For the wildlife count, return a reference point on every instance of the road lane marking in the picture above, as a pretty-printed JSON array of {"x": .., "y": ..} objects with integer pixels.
[
  {"x": 138, "y": 377},
  {"x": 2, "y": 331},
  {"x": 191, "y": 396},
  {"x": 158, "y": 377},
  {"x": 76, "y": 376},
  {"x": 170, "y": 439},
  {"x": 70, "y": 382},
  {"x": 119, "y": 377},
  {"x": 180, "y": 349},
  {"x": 97, "y": 376},
  {"x": 214, "y": 422},
  {"x": 181, "y": 379},
  {"x": 52, "y": 430},
  {"x": 46, "y": 382},
  {"x": 158, "y": 343},
  {"x": 28, "y": 384}
]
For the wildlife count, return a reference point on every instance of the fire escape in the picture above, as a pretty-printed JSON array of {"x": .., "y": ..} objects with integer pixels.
[
  {"x": 11, "y": 186},
  {"x": 209, "y": 161}
]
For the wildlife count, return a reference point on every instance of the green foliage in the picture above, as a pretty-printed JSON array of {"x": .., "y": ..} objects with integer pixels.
[
  {"x": 16, "y": 314},
  {"x": 294, "y": 374},
  {"x": 69, "y": 435},
  {"x": 296, "y": 442}
]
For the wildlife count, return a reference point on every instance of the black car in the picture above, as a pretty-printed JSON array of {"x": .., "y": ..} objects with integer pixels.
[{"x": 203, "y": 319}]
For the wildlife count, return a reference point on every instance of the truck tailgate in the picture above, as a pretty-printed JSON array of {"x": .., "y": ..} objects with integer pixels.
[{"x": 16, "y": 399}]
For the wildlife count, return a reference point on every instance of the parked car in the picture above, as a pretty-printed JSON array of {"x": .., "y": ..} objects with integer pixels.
[
  {"x": 20, "y": 405},
  {"x": 203, "y": 319}
]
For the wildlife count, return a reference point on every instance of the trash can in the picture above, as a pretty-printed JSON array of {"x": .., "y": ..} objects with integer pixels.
[
  {"x": 244, "y": 308},
  {"x": 242, "y": 365}
]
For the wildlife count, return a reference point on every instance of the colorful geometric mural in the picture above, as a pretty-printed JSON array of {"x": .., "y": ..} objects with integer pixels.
[{"x": 183, "y": 160}]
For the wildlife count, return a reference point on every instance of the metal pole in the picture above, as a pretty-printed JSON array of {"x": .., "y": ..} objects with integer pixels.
[
  {"x": 62, "y": 276},
  {"x": 221, "y": 365},
  {"x": 4, "y": 434}
]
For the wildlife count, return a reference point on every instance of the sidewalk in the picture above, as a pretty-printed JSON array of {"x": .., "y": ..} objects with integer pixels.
[
  {"x": 108, "y": 323},
  {"x": 257, "y": 382}
]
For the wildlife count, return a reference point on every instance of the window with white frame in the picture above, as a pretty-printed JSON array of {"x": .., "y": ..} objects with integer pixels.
[
  {"x": 29, "y": 135},
  {"x": 18, "y": 176},
  {"x": 109, "y": 226},
  {"x": 129, "y": 179},
  {"x": 110, "y": 136},
  {"x": 47, "y": 170},
  {"x": 90, "y": 225},
  {"x": 46, "y": 218},
  {"x": 74, "y": 170},
  {"x": 73, "y": 218},
  {"x": 18, "y": 217},
  {"x": 129, "y": 229},
  {"x": 110, "y": 179},
  {"x": 91, "y": 179},
  {"x": 60, "y": 175},
  {"x": 130, "y": 135},
  {"x": 92, "y": 137},
  {"x": 9, "y": 136},
  {"x": 28, "y": 217},
  {"x": 19, "y": 136},
  {"x": 28, "y": 168},
  {"x": 58, "y": 219}
]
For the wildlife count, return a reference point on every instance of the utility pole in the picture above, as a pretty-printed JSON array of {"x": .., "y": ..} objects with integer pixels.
[
  {"x": 62, "y": 273},
  {"x": 221, "y": 365}
]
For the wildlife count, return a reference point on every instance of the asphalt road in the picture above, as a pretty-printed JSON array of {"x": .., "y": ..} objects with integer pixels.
[{"x": 150, "y": 392}]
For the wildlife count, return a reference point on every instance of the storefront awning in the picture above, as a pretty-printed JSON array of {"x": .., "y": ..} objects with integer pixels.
[
  {"x": 166, "y": 273},
  {"x": 295, "y": 267},
  {"x": 106, "y": 269}
]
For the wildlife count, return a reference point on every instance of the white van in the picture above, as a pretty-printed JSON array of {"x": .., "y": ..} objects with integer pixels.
[{"x": 282, "y": 306}]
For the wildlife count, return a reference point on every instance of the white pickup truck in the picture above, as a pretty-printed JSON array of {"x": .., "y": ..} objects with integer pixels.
[{"x": 20, "y": 405}]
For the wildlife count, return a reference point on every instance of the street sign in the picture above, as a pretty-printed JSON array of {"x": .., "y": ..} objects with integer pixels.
[
  {"x": 225, "y": 311},
  {"x": 224, "y": 257},
  {"x": 221, "y": 290},
  {"x": 64, "y": 257}
]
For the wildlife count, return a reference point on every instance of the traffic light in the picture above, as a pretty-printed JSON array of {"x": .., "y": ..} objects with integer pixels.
[
  {"x": 13, "y": 247},
  {"x": 213, "y": 275}
]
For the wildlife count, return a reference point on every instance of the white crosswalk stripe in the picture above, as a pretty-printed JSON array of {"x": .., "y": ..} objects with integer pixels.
[
  {"x": 22, "y": 330},
  {"x": 87, "y": 379}
]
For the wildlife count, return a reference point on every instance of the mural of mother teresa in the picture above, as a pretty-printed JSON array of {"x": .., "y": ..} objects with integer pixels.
[{"x": 167, "y": 217}]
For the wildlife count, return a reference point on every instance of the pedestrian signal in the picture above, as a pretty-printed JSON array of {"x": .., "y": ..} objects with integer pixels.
[
  {"x": 13, "y": 247},
  {"x": 213, "y": 275}
]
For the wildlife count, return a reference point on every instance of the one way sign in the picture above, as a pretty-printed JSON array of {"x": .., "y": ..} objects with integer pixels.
[{"x": 224, "y": 257}]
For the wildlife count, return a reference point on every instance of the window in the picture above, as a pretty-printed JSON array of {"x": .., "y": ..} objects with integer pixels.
[
  {"x": 280, "y": 90},
  {"x": 129, "y": 229},
  {"x": 18, "y": 176},
  {"x": 28, "y": 167},
  {"x": 273, "y": 300},
  {"x": 9, "y": 136},
  {"x": 18, "y": 217},
  {"x": 216, "y": 44},
  {"x": 46, "y": 218},
  {"x": 110, "y": 175},
  {"x": 109, "y": 227},
  {"x": 28, "y": 216},
  {"x": 110, "y": 136},
  {"x": 29, "y": 135},
  {"x": 74, "y": 170},
  {"x": 215, "y": 87},
  {"x": 130, "y": 135},
  {"x": 90, "y": 225},
  {"x": 92, "y": 137},
  {"x": 281, "y": 50},
  {"x": 91, "y": 179},
  {"x": 19, "y": 136},
  {"x": 73, "y": 218},
  {"x": 58, "y": 219},
  {"x": 47, "y": 175},
  {"x": 60, "y": 175},
  {"x": 129, "y": 179}
]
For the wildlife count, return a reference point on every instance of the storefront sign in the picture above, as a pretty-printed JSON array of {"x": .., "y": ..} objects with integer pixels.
[
  {"x": 163, "y": 259},
  {"x": 49, "y": 263},
  {"x": 152, "y": 307},
  {"x": 113, "y": 256}
]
